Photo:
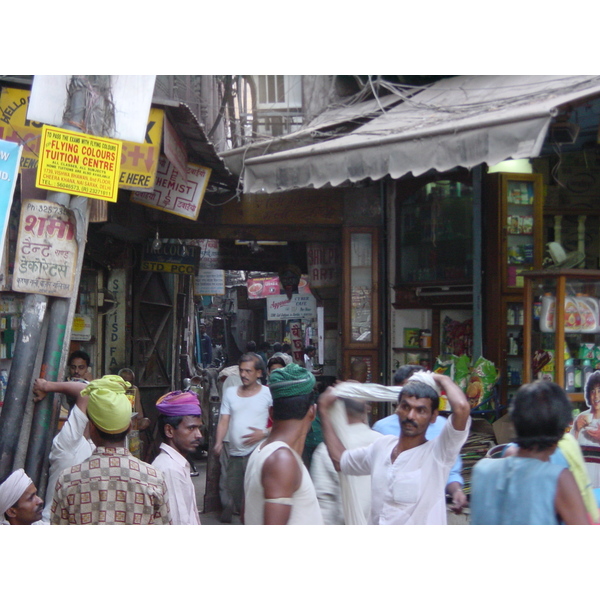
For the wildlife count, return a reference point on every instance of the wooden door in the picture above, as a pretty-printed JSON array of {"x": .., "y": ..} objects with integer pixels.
[
  {"x": 361, "y": 336},
  {"x": 152, "y": 335}
]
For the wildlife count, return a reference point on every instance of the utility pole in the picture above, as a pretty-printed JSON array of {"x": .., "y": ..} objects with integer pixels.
[{"x": 89, "y": 110}]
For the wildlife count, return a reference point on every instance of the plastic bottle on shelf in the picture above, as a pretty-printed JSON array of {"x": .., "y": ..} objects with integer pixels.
[
  {"x": 512, "y": 345},
  {"x": 569, "y": 376},
  {"x": 578, "y": 375},
  {"x": 587, "y": 371}
]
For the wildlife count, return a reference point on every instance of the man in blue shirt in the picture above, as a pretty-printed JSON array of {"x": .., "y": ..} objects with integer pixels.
[
  {"x": 206, "y": 351},
  {"x": 391, "y": 426}
]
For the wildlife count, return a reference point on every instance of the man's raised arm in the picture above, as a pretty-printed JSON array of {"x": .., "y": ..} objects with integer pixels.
[{"x": 461, "y": 409}]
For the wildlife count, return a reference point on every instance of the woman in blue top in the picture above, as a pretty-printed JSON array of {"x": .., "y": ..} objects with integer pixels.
[{"x": 527, "y": 489}]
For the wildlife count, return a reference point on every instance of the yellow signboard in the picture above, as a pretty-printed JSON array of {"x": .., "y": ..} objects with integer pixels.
[
  {"x": 77, "y": 163},
  {"x": 160, "y": 267},
  {"x": 139, "y": 162},
  {"x": 14, "y": 126}
]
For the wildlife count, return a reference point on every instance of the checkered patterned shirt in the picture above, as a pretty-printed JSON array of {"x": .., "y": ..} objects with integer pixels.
[{"x": 112, "y": 487}]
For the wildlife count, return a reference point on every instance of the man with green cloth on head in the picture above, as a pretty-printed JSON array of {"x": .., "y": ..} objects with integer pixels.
[
  {"x": 278, "y": 487},
  {"x": 111, "y": 487}
]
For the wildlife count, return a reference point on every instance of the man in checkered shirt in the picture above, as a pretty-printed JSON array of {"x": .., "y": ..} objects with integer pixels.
[{"x": 111, "y": 487}]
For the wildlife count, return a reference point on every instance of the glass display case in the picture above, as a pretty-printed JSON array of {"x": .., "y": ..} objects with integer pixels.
[
  {"x": 436, "y": 233},
  {"x": 561, "y": 331},
  {"x": 521, "y": 216}
]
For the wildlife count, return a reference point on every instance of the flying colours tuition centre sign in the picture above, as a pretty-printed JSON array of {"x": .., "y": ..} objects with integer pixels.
[{"x": 77, "y": 163}]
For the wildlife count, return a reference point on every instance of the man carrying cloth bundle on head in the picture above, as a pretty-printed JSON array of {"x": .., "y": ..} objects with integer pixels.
[
  {"x": 408, "y": 473},
  {"x": 179, "y": 422},
  {"x": 278, "y": 487},
  {"x": 19, "y": 502},
  {"x": 111, "y": 487}
]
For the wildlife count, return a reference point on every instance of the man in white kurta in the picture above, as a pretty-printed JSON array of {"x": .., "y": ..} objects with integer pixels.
[
  {"x": 408, "y": 473},
  {"x": 411, "y": 489},
  {"x": 70, "y": 445},
  {"x": 327, "y": 480}
]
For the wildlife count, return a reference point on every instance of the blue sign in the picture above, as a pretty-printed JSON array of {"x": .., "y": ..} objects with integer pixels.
[{"x": 10, "y": 155}]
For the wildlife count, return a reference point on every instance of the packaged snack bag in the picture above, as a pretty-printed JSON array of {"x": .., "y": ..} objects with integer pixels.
[{"x": 482, "y": 380}]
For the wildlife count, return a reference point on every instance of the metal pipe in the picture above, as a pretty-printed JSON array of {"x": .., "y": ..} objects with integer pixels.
[
  {"x": 45, "y": 413},
  {"x": 17, "y": 390},
  {"x": 477, "y": 263}
]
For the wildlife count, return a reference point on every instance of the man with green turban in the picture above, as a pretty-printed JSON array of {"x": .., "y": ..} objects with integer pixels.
[
  {"x": 278, "y": 487},
  {"x": 111, "y": 487}
]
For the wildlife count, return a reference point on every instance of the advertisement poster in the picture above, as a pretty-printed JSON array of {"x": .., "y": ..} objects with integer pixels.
[
  {"x": 262, "y": 287},
  {"x": 80, "y": 164},
  {"x": 46, "y": 254},
  {"x": 279, "y": 308},
  {"x": 174, "y": 194}
]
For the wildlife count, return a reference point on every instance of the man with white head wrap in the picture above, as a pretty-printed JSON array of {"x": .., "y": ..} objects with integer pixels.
[
  {"x": 391, "y": 426},
  {"x": 19, "y": 502},
  {"x": 408, "y": 473}
]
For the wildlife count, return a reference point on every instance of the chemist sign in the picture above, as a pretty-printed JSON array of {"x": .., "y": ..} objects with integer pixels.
[
  {"x": 79, "y": 164},
  {"x": 175, "y": 193},
  {"x": 279, "y": 308}
]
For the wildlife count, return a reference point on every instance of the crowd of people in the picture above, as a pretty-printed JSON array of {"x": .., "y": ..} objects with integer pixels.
[{"x": 406, "y": 469}]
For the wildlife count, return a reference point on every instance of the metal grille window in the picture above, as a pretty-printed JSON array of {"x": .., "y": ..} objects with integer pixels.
[{"x": 271, "y": 89}]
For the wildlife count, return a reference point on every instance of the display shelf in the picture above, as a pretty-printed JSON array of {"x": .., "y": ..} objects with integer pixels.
[
  {"x": 562, "y": 323},
  {"x": 436, "y": 234}
]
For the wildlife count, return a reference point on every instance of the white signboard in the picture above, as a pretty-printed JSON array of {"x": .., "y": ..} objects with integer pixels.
[
  {"x": 279, "y": 308},
  {"x": 209, "y": 282},
  {"x": 209, "y": 252},
  {"x": 174, "y": 194},
  {"x": 131, "y": 96},
  {"x": 46, "y": 253}
]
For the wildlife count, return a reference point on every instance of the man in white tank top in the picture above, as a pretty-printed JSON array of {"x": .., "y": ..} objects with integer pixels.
[{"x": 278, "y": 487}]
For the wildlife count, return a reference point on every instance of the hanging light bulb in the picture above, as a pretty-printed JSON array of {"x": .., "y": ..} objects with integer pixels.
[
  {"x": 184, "y": 251},
  {"x": 156, "y": 243}
]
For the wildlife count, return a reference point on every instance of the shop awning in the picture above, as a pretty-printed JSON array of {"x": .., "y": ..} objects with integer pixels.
[{"x": 460, "y": 121}]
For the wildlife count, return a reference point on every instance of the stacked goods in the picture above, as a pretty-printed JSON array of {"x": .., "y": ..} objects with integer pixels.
[
  {"x": 581, "y": 314},
  {"x": 476, "y": 447},
  {"x": 477, "y": 381}
]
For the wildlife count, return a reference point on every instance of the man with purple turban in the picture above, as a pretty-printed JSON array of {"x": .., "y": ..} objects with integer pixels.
[{"x": 179, "y": 422}]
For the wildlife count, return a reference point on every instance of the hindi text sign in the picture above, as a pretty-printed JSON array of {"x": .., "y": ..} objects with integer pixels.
[
  {"x": 79, "y": 164},
  {"x": 46, "y": 254},
  {"x": 174, "y": 194}
]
